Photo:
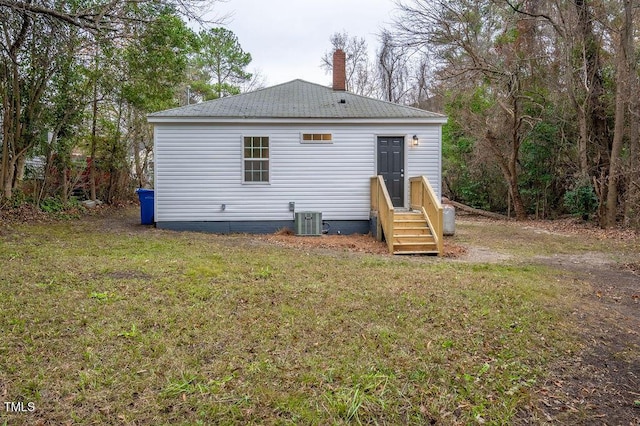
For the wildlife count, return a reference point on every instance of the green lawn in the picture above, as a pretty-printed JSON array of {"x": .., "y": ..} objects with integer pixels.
[{"x": 155, "y": 327}]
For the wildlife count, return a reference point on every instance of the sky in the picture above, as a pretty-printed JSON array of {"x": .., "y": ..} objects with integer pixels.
[{"x": 287, "y": 38}]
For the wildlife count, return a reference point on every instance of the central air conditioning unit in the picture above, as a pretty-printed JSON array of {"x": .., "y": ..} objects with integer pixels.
[{"x": 309, "y": 223}]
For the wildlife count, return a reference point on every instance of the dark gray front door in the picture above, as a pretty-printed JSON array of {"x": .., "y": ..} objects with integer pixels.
[{"x": 391, "y": 166}]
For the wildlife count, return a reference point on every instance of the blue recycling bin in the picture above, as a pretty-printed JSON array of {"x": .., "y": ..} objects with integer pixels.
[{"x": 146, "y": 205}]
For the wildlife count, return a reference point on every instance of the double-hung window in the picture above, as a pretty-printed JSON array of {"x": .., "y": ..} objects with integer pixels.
[{"x": 255, "y": 156}]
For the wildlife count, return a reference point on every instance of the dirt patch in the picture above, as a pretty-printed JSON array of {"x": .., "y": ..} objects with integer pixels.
[
  {"x": 476, "y": 254},
  {"x": 124, "y": 220},
  {"x": 601, "y": 383},
  {"x": 576, "y": 262}
]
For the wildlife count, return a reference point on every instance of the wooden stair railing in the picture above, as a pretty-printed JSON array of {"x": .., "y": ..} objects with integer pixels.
[
  {"x": 381, "y": 202},
  {"x": 424, "y": 199},
  {"x": 418, "y": 231}
]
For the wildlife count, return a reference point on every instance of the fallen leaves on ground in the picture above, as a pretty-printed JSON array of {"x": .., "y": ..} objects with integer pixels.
[{"x": 353, "y": 243}]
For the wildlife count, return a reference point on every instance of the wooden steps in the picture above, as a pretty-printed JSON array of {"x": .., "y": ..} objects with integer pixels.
[
  {"x": 408, "y": 231},
  {"x": 411, "y": 234}
]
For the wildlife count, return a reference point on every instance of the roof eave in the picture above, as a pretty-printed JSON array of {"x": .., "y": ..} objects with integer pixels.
[{"x": 441, "y": 119}]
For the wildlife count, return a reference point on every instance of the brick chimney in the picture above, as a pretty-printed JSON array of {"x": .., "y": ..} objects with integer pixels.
[{"x": 339, "y": 70}]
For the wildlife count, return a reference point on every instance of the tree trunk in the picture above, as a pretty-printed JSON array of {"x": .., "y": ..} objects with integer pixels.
[
  {"x": 479, "y": 212},
  {"x": 518, "y": 204},
  {"x": 614, "y": 164},
  {"x": 20, "y": 166},
  {"x": 583, "y": 143},
  {"x": 511, "y": 176},
  {"x": 137, "y": 145},
  {"x": 508, "y": 167},
  {"x": 4, "y": 168},
  {"x": 65, "y": 184},
  {"x": 622, "y": 101},
  {"x": 13, "y": 133},
  {"x": 596, "y": 129},
  {"x": 632, "y": 205},
  {"x": 46, "y": 172},
  {"x": 94, "y": 119},
  {"x": 9, "y": 175}
]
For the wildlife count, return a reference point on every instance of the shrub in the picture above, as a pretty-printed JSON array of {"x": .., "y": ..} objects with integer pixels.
[
  {"x": 52, "y": 205},
  {"x": 581, "y": 200}
]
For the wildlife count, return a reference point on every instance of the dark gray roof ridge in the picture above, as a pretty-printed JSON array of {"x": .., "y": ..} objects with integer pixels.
[
  {"x": 296, "y": 99},
  {"x": 153, "y": 114}
]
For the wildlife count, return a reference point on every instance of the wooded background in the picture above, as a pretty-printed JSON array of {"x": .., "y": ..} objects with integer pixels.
[{"x": 541, "y": 95}]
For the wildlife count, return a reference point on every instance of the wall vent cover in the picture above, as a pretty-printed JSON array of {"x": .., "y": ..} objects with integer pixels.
[{"x": 309, "y": 223}]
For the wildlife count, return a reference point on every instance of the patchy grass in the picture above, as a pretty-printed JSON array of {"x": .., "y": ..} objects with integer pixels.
[{"x": 156, "y": 327}]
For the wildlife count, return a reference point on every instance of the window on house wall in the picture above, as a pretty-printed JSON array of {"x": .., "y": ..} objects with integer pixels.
[
  {"x": 255, "y": 156},
  {"x": 317, "y": 138}
]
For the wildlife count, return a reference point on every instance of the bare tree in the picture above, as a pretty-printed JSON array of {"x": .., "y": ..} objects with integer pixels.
[
  {"x": 597, "y": 30},
  {"x": 625, "y": 59},
  {"x": 589, "y": 85},
  {"x": 423, "y": 88},
  {"x": 487, "y": 58},
  {"x": 257, "y": 82},
  {"x": 359, "y": 73},
  {"x": 632, "y": 205},
  {"x": 393, "y": 69}
]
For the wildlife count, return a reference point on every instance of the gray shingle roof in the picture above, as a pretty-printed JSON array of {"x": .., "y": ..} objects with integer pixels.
[{"x": 297, "y": 99}]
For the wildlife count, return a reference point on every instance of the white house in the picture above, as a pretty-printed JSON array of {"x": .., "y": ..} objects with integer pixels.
[{"x": 247, "y": 163}]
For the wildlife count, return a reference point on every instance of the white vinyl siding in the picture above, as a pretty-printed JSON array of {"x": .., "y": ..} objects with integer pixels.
[
  {"x": 424, "y": 159},
  {"x": 199, "y": 167}
]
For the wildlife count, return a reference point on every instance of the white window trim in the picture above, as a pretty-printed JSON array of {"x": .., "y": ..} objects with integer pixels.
[
  {"x": 316, "y": 132},
  {"x": 243, "y": 159}
]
